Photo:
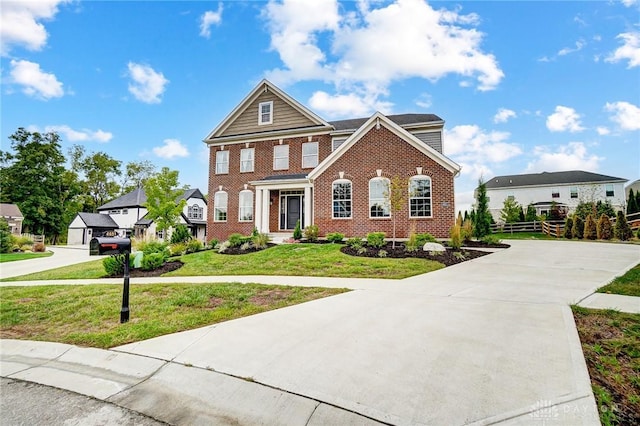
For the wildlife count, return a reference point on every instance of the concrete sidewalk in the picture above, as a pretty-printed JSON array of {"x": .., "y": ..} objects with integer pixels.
[{"x": 488, "y": 341}]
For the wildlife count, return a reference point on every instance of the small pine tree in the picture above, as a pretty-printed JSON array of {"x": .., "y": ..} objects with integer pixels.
[
  {"x": 578, "y": 227},
  {"x": 622, "y": 231},
  {"x": 5, "y": 236},
  {"x": 568, "y": 225},
  {"x": 459, "y": 219},
  {"x": 605, "y": 230},
  {"x": 482, "y": 222},
  {"x": 521, "y": 216},
  {"x": 297, "y": 232},
  {"x": 632, "y": 203},
  {"x": 530, "y": 216},
  {"x": 590, "y": 232},
  {"x": 180, "y": 234}
]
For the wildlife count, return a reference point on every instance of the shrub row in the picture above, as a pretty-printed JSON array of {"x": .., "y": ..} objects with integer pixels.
[{"x": 589, "y": 229}]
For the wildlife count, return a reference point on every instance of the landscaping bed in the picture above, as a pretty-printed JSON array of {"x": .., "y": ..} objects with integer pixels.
[
  {"x": 167, "y": 267},
  {"x": 447, "y": 258}
]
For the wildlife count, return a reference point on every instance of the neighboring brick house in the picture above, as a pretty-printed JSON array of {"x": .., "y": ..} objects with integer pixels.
[
  {"x": 563, "y": 189},
  {"x": 12, "y": 214},
  {"x": 274, "y": 162}
]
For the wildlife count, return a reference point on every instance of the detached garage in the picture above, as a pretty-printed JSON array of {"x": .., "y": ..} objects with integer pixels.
[{"x": 88, "y": 225}]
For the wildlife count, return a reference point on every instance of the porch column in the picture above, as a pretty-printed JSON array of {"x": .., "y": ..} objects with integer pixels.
[
  {"x": 308, "y": 214},
  {"x": 258, "y": 213},
  {"x": 265, "y": 211}
]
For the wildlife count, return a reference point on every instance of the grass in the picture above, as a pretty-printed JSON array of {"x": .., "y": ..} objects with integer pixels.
[
  {"x": 524, "y": 236},
  {"x": 316, "y": 260},
  {"x": 628, "y": 284},
  {"x": 611, "y": 346},
  {"x": 90, "y": 315},
  {"x": 13, "y": 257}
]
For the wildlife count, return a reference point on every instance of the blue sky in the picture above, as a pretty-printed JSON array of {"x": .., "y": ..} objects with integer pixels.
[{"x": 522, "y": 86}]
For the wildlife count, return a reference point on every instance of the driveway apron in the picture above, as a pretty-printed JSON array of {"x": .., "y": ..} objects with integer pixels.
[{"x": 488, "y": 341}]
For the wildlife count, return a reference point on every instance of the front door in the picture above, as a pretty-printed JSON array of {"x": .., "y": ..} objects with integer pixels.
[{"x": 293, "y": 211}]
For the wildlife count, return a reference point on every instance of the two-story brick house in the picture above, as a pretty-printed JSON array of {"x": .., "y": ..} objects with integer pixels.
[{"x": 274, "y": 162}]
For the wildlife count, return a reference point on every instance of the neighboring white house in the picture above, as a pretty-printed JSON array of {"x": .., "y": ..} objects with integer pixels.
[
  {"x": 564, "y": 189},
  {"x": 127, "y": 213}
]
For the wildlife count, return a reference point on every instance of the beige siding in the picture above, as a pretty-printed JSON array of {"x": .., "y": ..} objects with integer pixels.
[{"x": 284, "y": 117}]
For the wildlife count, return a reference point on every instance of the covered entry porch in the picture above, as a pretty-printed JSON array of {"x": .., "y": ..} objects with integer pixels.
[{"x": 281, "y": 201}]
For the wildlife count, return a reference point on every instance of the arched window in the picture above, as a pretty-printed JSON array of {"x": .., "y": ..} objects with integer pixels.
[
  {"x": 220, "y": 206},
  {"x": 342, "y": 204},
  {"x": 420, "y": 196},
  {"x": 378, "y": 197},
  {"x": 245, "y": 209}
]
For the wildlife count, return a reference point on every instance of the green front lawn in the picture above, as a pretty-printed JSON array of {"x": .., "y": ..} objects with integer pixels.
[
  {"x": 12, "y": 257},
  {"x": 319, "y": 260},
  {"x": 524, "y": 236},
  {"x": 628, "y": 284},
  {"x": 90, "y": 315}
]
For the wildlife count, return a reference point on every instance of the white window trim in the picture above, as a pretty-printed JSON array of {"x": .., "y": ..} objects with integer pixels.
[
  {"x": 224, "y": 153},
  {"x": 384, "y": 201},
  {"x": 606, "y": 189},
  {"x": 430, "y": 197},
  {"x": 253, "y": 159},
  {"x": 333, "y": 200},
  {"x": 217, "y": 201},
  {"x": 260, "y": 121},
  {"x": 241, "y": 206},
  {"x": 316, "y": 155},
  {"x": 275, "y": 147}
]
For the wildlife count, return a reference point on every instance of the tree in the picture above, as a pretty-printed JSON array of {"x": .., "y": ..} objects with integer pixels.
[
  {"x": 162, "y": 190},
  {"x": 531, "y": 216},
  {"x": 99, "y": 171},
  {"x": 568, "y": 228},
  {"x": 510, "y": 211},
  {"x": 5, "y": 236},
  {"x": 396, "y": 197},
  {"x": 136, "y": 174},
  {"x": 32, "y": 178},
  {"x": 180, "y": 234},
  {"x": 632, "y": 203},
  {"x": 590, "y": 228},
  {"x": 578, "y": 227},
  {"x": 622, "y": 230},
  {"x": 521, "y": 215},
  {"x": 594, "y": 208},
  {"x": 482, "y": 222},
  {"x": 605, "y": 230}
]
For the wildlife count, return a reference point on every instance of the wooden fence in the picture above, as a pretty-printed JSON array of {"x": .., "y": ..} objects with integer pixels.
[
  {"x": 35, "y": 238},
  {"x": 535, "y": 226},
  {"x": 553, "y": 228}
]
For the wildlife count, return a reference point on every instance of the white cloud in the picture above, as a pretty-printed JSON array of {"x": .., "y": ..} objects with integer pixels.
[
  {"x": 208, "y": 19},
  {"x": 629, "y": 3},
  {"x": 474, "y": 148},
  {"x": 35, "y": 82},
  {"x": 630, "y": 49},
  {"x": 315, "y": 41},
  {"x": 503, "y": 115},
  {"x": 565, "y": 51},
  {"x": 172, "y": 148},
  {"x": 626, "y": 115},
  {"x": 573, "y": 156},
  {"x": 351, "y": 105},
  {"x": 83, "y": 135},
  {"x": 564, "y": 119},
  {"x": 424, "y": 101},
  {"x": 20, "y": 23},
  {"x": 147, "y": 85},
  {"x": 602, "y": 131}
]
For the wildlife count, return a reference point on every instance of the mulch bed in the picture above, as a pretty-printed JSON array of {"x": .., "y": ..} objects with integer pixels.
[
  {"x": 447, "y": 257},
  {"x": 238, "y": 250},
  {"x": 167, "y": 267}
]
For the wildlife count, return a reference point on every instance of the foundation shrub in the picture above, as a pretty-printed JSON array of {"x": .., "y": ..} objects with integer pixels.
[
  {"x": 335, "y": 237},
  {"x": 568, "y": 228},
  {"x": 590, "y": 231},
  {"x": 375, "y": 239},
  {"x": 311, "y": 232},
  {"x": 605, "y": 230}
]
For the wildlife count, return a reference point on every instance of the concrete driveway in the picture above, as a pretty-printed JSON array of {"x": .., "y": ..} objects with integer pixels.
[
  {"x": 488, "y": 341},
  {"x": 62, "y": 256}
]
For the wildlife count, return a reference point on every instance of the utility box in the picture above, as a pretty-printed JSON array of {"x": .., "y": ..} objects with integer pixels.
[{"x": 109, "y": 245}]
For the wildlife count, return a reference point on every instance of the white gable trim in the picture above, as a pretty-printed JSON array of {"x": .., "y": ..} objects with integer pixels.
[
  {"x": 264, "y": 85},
  {"x": 379, "y": 119}
]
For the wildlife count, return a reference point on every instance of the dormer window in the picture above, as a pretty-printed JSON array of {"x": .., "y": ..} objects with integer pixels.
[{"x": 265, "y": 113}]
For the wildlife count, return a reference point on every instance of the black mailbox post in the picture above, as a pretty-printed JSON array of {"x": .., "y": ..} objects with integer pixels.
[{"x": 115, "y": 246}]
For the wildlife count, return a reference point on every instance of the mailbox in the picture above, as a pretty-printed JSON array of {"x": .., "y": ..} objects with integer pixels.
[{"x": 109, "y": 245}]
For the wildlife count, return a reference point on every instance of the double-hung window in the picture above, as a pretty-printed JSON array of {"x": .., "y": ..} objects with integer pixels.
[
  {"x": 245, "y": 203},
  {"x": 281, "y": 157},
  {"x": 555, "y": 193},
  {"x": 378, "y": 197},
  {"x": 574, "y": 191},
  {"x": 246, "y": 160},
  {"x": 309, "y": 155},
  {"x": 420, "y": 196},
  {"x": 220, "y": 206},
  {"x": 222, "y": 162},
  {"x": 342, "y": 206},
  {"x": 608, "y": 188},
  {"x": 265, "y": 113}
]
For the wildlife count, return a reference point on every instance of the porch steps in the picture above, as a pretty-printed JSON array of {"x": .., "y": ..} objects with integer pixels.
[{"x": 279, "y": 237}]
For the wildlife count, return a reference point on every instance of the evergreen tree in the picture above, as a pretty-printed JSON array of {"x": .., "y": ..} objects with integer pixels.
[
  {"x": 521, "y": 215},
  {"x": 482, "y": 223},
  {"x": 578, "y": 227},
  {"x": 590, "y": 232},
  {"x": 605, "y": 230},
  {"x": 510, "y": 212},
  {"x": 632, "y": 204},
  {"x": 622, "y": 231},
  {"x": 5, "y": 236},
  {"x": 530, "y": 216},
  {"x": 568, "y": 225}
]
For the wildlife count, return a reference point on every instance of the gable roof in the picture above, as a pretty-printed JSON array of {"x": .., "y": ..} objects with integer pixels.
[
  {"x": 400, "y": 119},
  {"x": 97, "y": 220},
  {"x": 549, "y": 178},
  {"x": 380, "y": 119},
  {"x": 137, "y": 198},
  {"x": 264, "y": 85},
  {"x": 10, "y": 210}
]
